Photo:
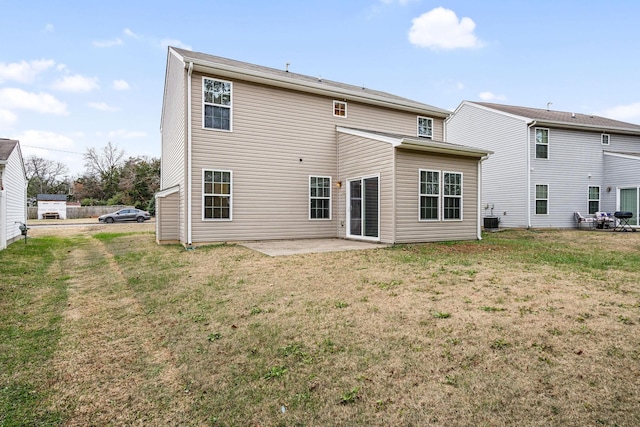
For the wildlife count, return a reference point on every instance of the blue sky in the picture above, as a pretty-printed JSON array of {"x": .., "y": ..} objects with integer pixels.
[{"x": 79, "y": 74}]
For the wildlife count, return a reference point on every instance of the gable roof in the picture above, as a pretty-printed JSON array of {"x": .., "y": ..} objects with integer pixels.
[
  {"x": 52, "y": 197},
  {"x": 565, "y": 119},
  {"x": 417, "y": 143},
  {"x": 230, "y": 68},
  {"x": 6, "y": 148}
]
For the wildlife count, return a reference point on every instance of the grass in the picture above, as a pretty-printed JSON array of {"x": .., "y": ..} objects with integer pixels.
[{"x": 522, "y": 328}]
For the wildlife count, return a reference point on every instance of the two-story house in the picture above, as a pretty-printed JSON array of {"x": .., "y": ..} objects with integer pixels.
[
  {"x": 256, "y": 153},
  {"x": 13, "y": 192},
  {"x": 548, "y": 164}
]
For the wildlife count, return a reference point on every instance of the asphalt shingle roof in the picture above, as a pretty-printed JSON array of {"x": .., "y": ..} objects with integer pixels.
[
  {"x": 564, "y": 117},
  {"x": 292, "y": 77},
  {"x": 6, "y": 148}
]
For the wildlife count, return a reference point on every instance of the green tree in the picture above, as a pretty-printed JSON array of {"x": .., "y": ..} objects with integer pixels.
[
  {"x": 45, "y": 176},
  {"x": 105, "y": 166}
]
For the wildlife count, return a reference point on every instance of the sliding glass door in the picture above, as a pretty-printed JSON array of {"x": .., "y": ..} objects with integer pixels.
[
  {"x": 629, "y": 203},
  {"x": 363, "y": 211}
]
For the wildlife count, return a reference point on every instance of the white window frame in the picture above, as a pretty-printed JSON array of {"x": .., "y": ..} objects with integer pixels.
[
  {"x": 229, "y": 107},
  {"x": 589, "y": 199},
  {"x": 230, "y": 195},
  {"x": 345, "y": 109},
  {"x": 461, "y": 196},
  {"x": 436, "y": 195},
  {"x": 603, "y": 137},
  {"x": 418, "y": 127},
  {"x": 535, "y": 194},
  {"x": 330, "y": 198},
  {"x": 535, "y": 138}
]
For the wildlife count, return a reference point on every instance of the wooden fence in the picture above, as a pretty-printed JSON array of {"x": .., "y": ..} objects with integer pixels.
[{"x": 81, "y": 212}]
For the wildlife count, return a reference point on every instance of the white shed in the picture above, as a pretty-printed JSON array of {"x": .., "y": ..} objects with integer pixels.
[{"x": 52, "y": 206}]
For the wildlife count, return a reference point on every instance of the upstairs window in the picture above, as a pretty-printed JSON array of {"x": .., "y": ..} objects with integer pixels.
[
  {"x": 339, "y": 109},
  {"x": 217, "y": 194},
  {"x": 216, "y": 96},
  {"x": 604, "y": 139},
  {"x": 542, "y": 143},
  {"x": 429, "y": 194},
  {"x": 425, "y": 127},
  {"x": 452, "y": 195},
  {"x": 594, "y": 199},
  {"x": 319, "y": 197}
]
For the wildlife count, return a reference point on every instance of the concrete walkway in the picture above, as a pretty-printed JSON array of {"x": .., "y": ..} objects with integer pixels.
[{"x": 307, "y": 246}]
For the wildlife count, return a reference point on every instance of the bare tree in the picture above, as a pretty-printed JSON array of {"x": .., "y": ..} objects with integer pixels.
[
  {"x": 44, "y": 175},
  {"x": 106, "y": 166}
]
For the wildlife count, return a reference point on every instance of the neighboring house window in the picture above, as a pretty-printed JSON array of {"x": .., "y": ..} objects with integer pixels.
[
  {"x": 605, "y": 139},
  {"x": 429, "y": 194},
  {"x": 542, "y": 199},
  {"x": 452, "y": 195},
  {"x": 339, "y": 109},
  {"x": 542, "y": 143},
  {"x": 425, "y": 127},
  {"x": 217, "y": 104},
  {"x": 594, "y": 199},
  {"x": 217, "y": 194},
  {"x": 319, "y": 197}
]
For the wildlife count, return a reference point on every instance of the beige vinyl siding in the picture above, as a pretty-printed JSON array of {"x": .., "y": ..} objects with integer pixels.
[
  {"x": 504, "y": 180},
  {"x": 409, "y": 228},
  {"x": 14, "y": 183},
  {"x": 279, "y": 138},
  {"x": 360, "y": 157},
  {"x": 168, "y": 208},
  {"x": 174, "y": 136}
]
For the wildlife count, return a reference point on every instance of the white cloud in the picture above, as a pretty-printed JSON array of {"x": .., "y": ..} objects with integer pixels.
[
  {"x": 164, "y": 43},
  {"x": 441, "y": 29},
  {"x": 39, "y": 102},
  {"x": 630, "y": 112},
  {"x": 490, "y": 96},
  {"x": 460, "y": 86},
  {"x": 101, "y": 106},
  {"x": 76, "y": 83},
  {"x": 120, "y": 85},
  {"x": 48, "y": 28},
  {"x": 127, "y": 32},
  {"x": 7, "y": 118},
  {"x": 125, "y": 134},
  {"x": 108, "y": 43},
  {"x": 23, "y": 71}
]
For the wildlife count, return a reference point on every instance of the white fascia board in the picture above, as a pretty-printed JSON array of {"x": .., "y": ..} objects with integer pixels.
[
  {"x": 369, "y": 135},
  {"x": 318, "y": 88},
  {"x": 622, "y": 155},
  {"x": 168, "y": 191},
  {"x": 419, "y": 145},
  {"x": 444, "y": 148},
  {"x": 596, "y": 128}
]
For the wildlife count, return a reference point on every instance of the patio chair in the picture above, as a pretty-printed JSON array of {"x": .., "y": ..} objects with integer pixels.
[
  {"x": 604, "y": 220},
  {"x": 583, "y": 222}
]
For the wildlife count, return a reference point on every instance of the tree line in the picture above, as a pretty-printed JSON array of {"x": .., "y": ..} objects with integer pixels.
[{"x": 109, "y": 178}]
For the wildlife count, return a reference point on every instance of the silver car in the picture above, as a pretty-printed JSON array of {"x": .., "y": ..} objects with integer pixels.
[{"x": 129, "y": 214}]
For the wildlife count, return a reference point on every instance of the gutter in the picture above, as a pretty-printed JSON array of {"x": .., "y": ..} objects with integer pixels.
[
  {"x": 532, "y": 124},
  {"x": 189, "y": 159}
]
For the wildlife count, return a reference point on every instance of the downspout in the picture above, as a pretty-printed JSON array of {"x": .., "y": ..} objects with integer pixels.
[
  {"x": 479, "y": 197},
  {"x": 189, "y": 159},
  {"x": 528, "y": 204}
]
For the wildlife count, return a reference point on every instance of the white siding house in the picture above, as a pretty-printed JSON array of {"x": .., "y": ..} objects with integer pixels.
[
  {"x": 549, "y": 164},
  {"x": 13, "y": 192},
  {"x": 255, "y": 153}
]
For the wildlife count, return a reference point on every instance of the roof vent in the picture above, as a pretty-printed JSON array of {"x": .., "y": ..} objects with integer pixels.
[
  {"x": 573, "y": 115},
  {"x": 548, "y": 105},
  {"x": 286, "y": 67}
]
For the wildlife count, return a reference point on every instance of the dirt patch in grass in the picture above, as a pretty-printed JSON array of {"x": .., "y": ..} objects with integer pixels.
[{"x": 523, "y": 328}]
